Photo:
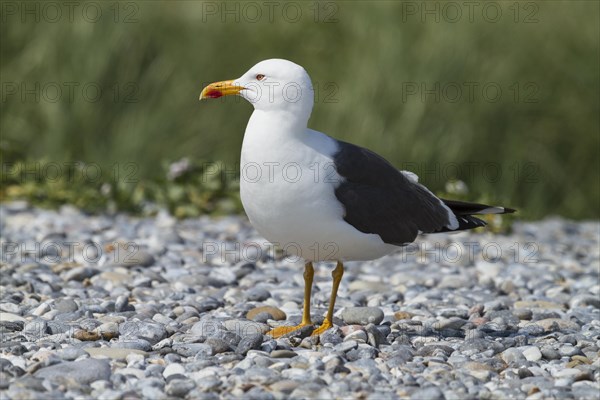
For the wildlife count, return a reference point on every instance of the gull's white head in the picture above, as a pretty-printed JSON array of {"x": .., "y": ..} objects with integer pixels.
[{"x": 270, "y": 85}]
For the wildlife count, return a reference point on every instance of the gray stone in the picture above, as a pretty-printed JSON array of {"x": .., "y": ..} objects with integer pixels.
[
  {"x": 556, "y": 324},
  {"x": 400, "y": 356},
  {"x": 179, "y": 388},
  {"x": 83, "y": 372},
  {"x": 260, "y": 375},
  {"x": 28, "y": 386},
  {"x": 257, "y": 294},
  {"x": 11, "y": 326},
  {"x": 151, "y": 392},
  {"x": 449, "y": 323},
  {"x": 335, "y": 365},
  {"x": 231, "y": 338},
  {"x": 362, "y": 315},
  {"x": 132, "y": 257},
  {"x": 570, "y": 351},
  {"x": 346, "y": 346},
  {"x": 209, "y": 304},
  {"x": 532, "y": 353},
  {"x": 70, "y": 353},
  {"x": 362, "y": 352},
  {"x": 217, "y": 345},
  {"x": 585, "y": 301},
  {"x": 173, "y": 369},
  {"x": 10, "y": 308},
  {"x": 152, "y": 332},
  {"x": 249, "y": 342},
  {"x": 122, "y": 304},
  {"x": 359, "y": 336},
  {"x": 172, "y": 358},
  {"x": 39, "y": 310},
  {"x": 108, "y": 330},
  {"x": 525, "y": 373},
  {"x": 244, "y": 327},
  {"x": 283, "y": 354},
  {"x": 523, "y": 313},
  {"x": 207, "y": 328},
  {"x": 550, "y": 354},
  {"x": 454, "y": 312},
  {"x": 192, "y": 349},
  {"x": 130, "y": 343},
  {"x": 113, "y": 352},
  {"x": 80, "y": 273},
  {"x": 513, "y": 357},
  {"x": 262, "y": 317},
  {"x": 585, "y": 390},
  {"x": 428, "y": 393},
  {"x": 37, "y": 328},
  {"x": 331, "y": 336}
]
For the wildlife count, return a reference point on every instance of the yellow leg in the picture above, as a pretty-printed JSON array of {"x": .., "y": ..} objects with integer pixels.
[
  {"x": 309, "y": 273},
  {"x": 337, "y": 274}
]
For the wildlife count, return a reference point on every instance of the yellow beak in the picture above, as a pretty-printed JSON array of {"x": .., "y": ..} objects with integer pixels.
[{"x": 218, "y": 89}]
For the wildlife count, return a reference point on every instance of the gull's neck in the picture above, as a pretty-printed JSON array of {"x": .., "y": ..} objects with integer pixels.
[{"x": 277, "y": 124}]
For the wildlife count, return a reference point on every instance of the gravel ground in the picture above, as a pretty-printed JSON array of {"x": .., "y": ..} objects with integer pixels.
[{"x": 113, "y": 307}]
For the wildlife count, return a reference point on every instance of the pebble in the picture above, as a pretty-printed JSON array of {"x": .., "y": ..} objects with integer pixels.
[
  {"x": 152, "y": 332},
  {"x": 585, "y": 300},
  {"x": 362, "y": 315},
  {"x": 245, "y": 327},
  {"x": 249, "y": 342},
  {"x": 362, "y": 352},
  {"x": 217, "y": 345},
  {"x": 9, "y": 317},
  {"x": 111, "y": 352},
  {"x": 83, "y": 372},
  {"x": 401, "y": 315},
  {"x": 274, "y": 313},
  {"x": 131, "y": 256},
  {"x": 70, "y": 353},
  {"x": 86, "y": 336},
  {"x": 65, "y": 305},
  {"x": 80, "y": 274},
  {"x": 207, "y": 328},
  {"x": 283, "y": 354},
  {"x": 357, "y": 336},
  {"x": 429, "y": 393},
  {"x": 532, "y": 353},
  {"x": 348, "y": 329},
  {"x": 176, "y": 324},
  {"x": 122, "y": 304},
  {"x": 193, "y": 349},
  {"x": 347, "y": 345},
  {"x": 173, "y": 369},
  {"x": 257, "y": 294},
  {"x": 41, "y": 309},
  {"x": 513, "y": 357},
  {"x": 108, "y": 331},
  {"x": 556, "y": 324},
  {"x": 331, "y": 336},
  {"x": 179, "y": 388},
  {"x": 550, "y": 354}
]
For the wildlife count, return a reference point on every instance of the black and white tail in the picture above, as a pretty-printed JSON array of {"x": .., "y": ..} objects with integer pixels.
[{"x": 464, "y": 213}]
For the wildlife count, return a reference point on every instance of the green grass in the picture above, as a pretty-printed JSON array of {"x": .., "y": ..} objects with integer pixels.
[
  {"x": 198, "y": 188},
  {"x": 535, "y": 148}
]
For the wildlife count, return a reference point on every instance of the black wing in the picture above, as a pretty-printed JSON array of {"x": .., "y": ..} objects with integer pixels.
[{"x": 379, "y": 199}]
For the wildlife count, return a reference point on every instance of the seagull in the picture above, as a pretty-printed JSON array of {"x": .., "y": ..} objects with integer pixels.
[{"x": 322, "y": 199}]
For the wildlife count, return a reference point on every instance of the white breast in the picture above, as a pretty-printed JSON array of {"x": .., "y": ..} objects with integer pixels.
[{"x": 287, "y": 188}]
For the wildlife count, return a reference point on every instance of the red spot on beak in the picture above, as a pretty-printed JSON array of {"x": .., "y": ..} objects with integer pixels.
[{"x": 214, "y": 94}]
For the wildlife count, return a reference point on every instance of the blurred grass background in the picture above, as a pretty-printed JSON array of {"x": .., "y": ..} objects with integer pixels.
[{"x": 535, "y": 147}]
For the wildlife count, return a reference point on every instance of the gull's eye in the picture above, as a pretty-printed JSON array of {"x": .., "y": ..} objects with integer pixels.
[{"x": 260, "y": 77}]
